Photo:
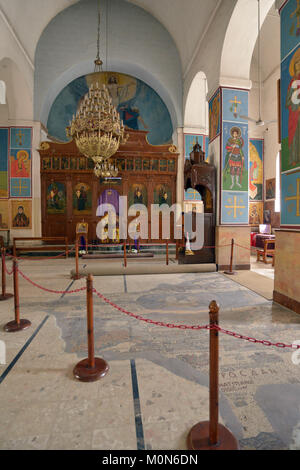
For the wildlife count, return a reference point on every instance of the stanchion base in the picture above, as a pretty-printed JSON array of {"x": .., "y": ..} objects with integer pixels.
[
  {"x": 84, "y": 373},
  {"x": 6, "y": 297},
  {"x": 76, "y": 277},
  {"x": 230, "y": 273},
  {"x": 198, "y": 438},
  {"x": 13, "y": 326}
]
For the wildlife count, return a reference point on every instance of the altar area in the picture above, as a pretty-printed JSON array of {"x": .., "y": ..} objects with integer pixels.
[{"x": 72, "y": 193}]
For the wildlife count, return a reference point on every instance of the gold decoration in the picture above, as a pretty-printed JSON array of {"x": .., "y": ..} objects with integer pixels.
[
  {"x": 173, "y": 149},
  {"x": 44, "y": 146},
  {"x": 97, "y": 128}
]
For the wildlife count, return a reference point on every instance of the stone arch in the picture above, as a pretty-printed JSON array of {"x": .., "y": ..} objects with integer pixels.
[
  {"x": 196, "y": 106},
  {"x": 2, "y": 92},
  {"x": 144, "y": 49},
  {"x": 18, "y": 96},
  {"x": 239, "y": 43}
]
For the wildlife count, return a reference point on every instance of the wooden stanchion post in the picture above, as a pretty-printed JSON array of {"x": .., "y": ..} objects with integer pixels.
[
  {"x": 167, "y": 252},
  {"x": 92, "y": 368},
  {"x": 4, "y": 295},
  {"x": 77, "y": 276},
  {"x": 231, "y": 272},
  {"x": 177, "y": 250},
  {"x": 18, "y": 324},
  {"x": 211, "y": 435},
  {"x": 125, "y": 253}
]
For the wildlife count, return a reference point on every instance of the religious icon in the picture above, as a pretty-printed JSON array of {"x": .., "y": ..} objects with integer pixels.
[
  {"x": 82, "y": 227},
  {"x": 293, "y": 106},
  {"x": 56, "y": 198},
  {"x": 138, "y": 195},
  {"x": 256, "y": 213},
  {"x": 256, "y": 170},
  {"x": 20, "y": 165},
  {"x": 271, "y": 189},
  {"x": 21, "y": 219},
  {"x": 162, "y": 195},
  {"x": 295, "y": 28},
  {"x": 21, "y": 214},
  {"x": 82, "y": 199},
  {"x": 235, "y": 158},
  {"x": 214, "y": 117}
]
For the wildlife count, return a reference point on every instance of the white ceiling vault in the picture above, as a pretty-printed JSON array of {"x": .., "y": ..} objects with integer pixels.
[{"x": 209, "y": 36}]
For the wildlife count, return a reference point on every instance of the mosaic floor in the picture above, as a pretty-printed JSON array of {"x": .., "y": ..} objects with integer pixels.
[{"x": 157, "y": 387}]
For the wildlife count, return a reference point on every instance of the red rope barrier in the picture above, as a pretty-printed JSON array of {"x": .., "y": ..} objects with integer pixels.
[
  {"x": 195, "y": 327},
  {"x": 50, "y": 290}
]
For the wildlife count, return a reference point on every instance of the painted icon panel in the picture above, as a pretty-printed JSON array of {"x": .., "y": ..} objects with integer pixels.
[
  {"x": 82, "y": 199},
  {"x": 256, "y": 170},
  {"x": 21, "y": 214},
  {"x": 56, "y": 198},
  {"x": 235, "y": 157}
]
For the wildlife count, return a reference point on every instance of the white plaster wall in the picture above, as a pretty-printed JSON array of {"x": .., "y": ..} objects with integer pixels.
[
  {"x": 196, "y": 109},
  {"x": 272, "y": 147}
]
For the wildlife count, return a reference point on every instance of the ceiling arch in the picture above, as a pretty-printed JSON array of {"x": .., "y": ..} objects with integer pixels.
[
  {"x": 240, "y": 40},
  {"x": 143, "y": 48}
]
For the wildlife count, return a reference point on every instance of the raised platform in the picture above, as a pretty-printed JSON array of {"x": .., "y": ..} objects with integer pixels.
[
  {"x": 144, "y": 268},
  {"x": 116, "y": 255}
]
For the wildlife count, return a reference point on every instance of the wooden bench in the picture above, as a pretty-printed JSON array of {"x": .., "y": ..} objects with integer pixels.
[
  {"x": 266, "y": 251},
  {"x": 63, "y": 246}
]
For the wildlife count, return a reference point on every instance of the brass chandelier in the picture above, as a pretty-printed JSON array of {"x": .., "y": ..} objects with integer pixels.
[{"x": 97, "y": 128}]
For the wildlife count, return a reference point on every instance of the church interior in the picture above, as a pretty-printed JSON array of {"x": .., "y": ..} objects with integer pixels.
[{"x": 122, "y": 328}]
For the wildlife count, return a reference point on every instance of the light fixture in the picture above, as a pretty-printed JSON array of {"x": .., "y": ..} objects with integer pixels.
[{"x": 97, "y": 128}]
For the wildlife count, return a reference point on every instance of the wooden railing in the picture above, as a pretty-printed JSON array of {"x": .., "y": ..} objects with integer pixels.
[{"x": 41, "y": 247}]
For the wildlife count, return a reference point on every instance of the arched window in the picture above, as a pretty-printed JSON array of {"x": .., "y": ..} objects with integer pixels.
[
  {"x": 2, "y": 92},
  {"x": 278, "y": 177}
]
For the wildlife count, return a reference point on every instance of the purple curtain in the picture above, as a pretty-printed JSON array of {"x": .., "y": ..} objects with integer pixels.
[{"x": 110, "y": 196}]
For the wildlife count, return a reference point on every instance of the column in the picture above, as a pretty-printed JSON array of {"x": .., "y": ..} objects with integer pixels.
[
  {"x": 229, "y": 152},
  {"x": 287, "y": 255}
]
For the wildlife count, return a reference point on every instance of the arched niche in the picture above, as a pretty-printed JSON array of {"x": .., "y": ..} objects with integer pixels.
[
  {"x": 196, "y": 108},
  {"x": 18, "y": 99},
  {"x": 240, "y": 40},
  {"x": 2, "y": 92},
  {"x": 144, "y": 49}
]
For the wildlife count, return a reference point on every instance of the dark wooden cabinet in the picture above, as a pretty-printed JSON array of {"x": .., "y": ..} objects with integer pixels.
[
  {"x": 201, "y": 176},
  {"x": 65, "y": 173}
]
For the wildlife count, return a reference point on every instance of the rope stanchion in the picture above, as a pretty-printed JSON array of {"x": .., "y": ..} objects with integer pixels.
[
  {"x": 93, "y": 368},
  {"x": 77, "y": 276},
  {"x": 167, "y": 252},
  {"x": 231, "y": 272},
  {"x": 211, "y": 435},
  {"x": 18, "y": 324},
  {"x": 125, "y": 253},
  {"x": 4, "y": 295}
]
